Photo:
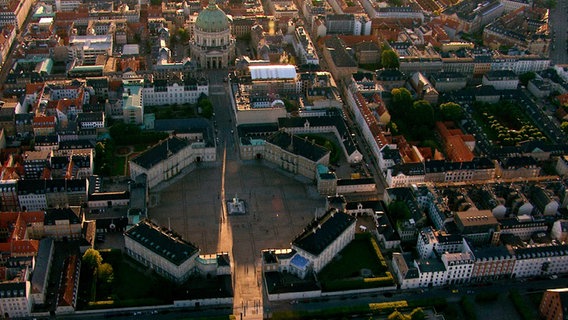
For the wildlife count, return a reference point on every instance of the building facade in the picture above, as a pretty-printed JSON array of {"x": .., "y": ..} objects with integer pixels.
[{"x": 212, "y": 45}]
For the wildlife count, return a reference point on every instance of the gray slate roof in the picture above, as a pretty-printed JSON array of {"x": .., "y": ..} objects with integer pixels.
[
  {"x": 162, "y": 242},
  {"x": 299, "y": 146},
  {"x": 159, "y": 152},
  {"x": 321, "y": 232}
]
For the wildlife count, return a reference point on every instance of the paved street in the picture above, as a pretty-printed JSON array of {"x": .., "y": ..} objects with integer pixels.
[
  {"x": 559, "y": 23},
  {"x": 279, "y": 207}
]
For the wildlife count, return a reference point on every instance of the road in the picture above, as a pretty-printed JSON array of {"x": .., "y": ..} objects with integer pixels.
[
  {"x": 559, "y": 24},
  {"x": 501, "y": 286}
]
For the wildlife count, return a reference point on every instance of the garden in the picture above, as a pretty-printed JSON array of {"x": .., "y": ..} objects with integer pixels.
[
  {"x": 360, "y": 265},
  {"x": 505, "y": 123},
  {"x": 109, "y": 280}
]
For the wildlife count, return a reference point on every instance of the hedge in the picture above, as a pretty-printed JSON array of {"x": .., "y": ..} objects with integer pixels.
[
  {"x": 358, "y": 283},
  {"x": 387, "y": 306},
  {"x": 522, "y": 307},
  {"x": 105, "y": 304},
  {"x": 468, "y": 308}
]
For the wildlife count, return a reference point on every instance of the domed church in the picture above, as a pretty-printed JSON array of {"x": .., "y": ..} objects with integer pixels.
[{"x": 212, "y": 46}]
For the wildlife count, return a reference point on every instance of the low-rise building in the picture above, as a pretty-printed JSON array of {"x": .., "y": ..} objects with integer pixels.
[
  {"x": 448, "y": 81},
  {"x": 459, "y": 267},
  {"x": 161, "y": 250},
  {"x": 535, "y": 260},
  {"x": 477, "y": 226},
  {"x": 492, "y": 263},
  {"x": 294, "y": 154},
  {"x": 61, "y": 224},
  {"x": 165, "y": 92},
  {"x": 517, "y": 167},
  {"x": 169, "y": 157},
  {"x": 554, "y": 304},
  {"x": 324, "y": 238},
  {"x": 501, "y": 79}
]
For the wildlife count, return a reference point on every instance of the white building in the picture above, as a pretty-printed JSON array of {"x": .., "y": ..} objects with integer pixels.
[
  {"x": 14, "y": 299},
  {"x": 431, "y": 242},
  {"x": 560, "y": 230},
  {"x": 163, "y": 92},
  {"x": 87, "y": 48},
  {"x": 132, "y": 101},
  {"x": 169, "y": 157},
  {"x": 534, "y": 261},
  {"x": 459, "y": 267},
  {"x": 501, "y": 79},
  {"x": 161, "y": 250},
  {"x": 324, "y": 237},
  {"x": 67, "y": 5},
  {"x": 432, "y": 272},
  {"x": 405, "y": 270},
  {"x": 512, "y": 5},
  {"x": 304, "y": 47},
  {"x": 562, "y": 165},
  {"x": 405, "y": 175}
]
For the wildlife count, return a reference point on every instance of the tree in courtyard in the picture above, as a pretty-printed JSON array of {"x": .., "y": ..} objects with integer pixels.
[
  {"x": 399, "y": 210},
  {"x": 389, "y": 59},
  {"x": 92, "y": 258},
  {"x": 182, "y": 35},
  {"x": 422, "y": 113},
  {"x": 564, "y": 126},
  {"x": 205, "y": 106},
  {"x": 451, "y": 111},
  {"x": 105, "y": 273},
  {"x": 401, "y": 102},
  {"x": 104, "y": 157},
  {"x": 526, "y": 77}
]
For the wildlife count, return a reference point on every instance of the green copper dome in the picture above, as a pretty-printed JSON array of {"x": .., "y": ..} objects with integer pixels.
[{"x": 212, "y": 19}]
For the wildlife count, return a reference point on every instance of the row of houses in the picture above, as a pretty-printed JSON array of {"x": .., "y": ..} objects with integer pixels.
[{"x": 446, "y": 259}]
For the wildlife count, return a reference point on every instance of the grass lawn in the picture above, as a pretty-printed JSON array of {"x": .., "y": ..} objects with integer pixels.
[
  {"x": 129, "y": 283},
  {"x": 129, "y": 287},
  {"x": 118, "y": 166},
  {"x": 357, "y": 255}
]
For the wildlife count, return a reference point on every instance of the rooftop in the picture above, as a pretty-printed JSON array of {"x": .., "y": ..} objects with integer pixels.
[
  {"x": 162, "y": 241},
  {"x": 322, "y": 232},
  {"x": 159, "y": 152}
]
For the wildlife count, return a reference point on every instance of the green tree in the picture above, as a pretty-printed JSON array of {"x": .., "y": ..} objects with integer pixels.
[
  {"x": 104, "y": 157},
  {"x": 451, "y": 111},
  {"x": 206, "y": 107},
  {"x": 422, "y": 113},
  {"x": 389, "y": 59},
  {"x": 93, "y": 259},
  {"x": 526, "y": 77},
  {"x": 393, "y": 127},
  {"x": 564, "y": 126},
  {"x": 399, "y": 210},
  {"x": 401, "y": 102},
  {"x": 417, "y": 314},
  {"x": 182, "y": 35},
  {"x": 105, "y": 273}
]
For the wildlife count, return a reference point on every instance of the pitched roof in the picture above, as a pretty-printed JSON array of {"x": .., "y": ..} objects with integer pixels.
[
  {"x": 297, "y": 146},
  {"x": 162, "y": 241},
  {"x": 322, "y": 232},
  {"x": 160, "y": 152}
]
